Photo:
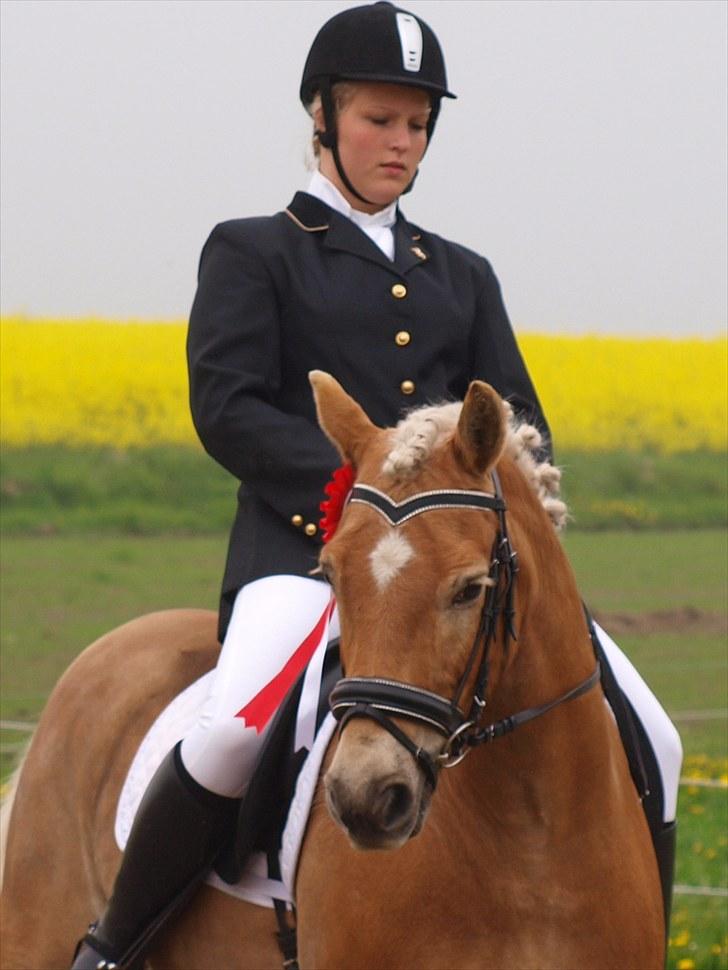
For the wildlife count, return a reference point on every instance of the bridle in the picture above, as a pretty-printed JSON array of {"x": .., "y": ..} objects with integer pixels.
[{"x": 380, "y": 700}]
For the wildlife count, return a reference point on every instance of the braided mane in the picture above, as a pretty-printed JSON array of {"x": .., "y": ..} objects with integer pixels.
[{"x": 425, "y": 429}]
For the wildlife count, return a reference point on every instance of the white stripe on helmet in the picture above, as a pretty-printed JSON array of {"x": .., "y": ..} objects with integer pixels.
[{"x": 410, "y": 37}]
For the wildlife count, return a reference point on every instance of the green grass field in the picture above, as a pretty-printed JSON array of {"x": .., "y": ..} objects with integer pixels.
[
  {"x": 51, "y": 489},
  {"x": 89, "y": 543}
]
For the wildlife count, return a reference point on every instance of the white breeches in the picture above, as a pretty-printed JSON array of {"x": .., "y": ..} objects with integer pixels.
[
  {"x": 274, "y": 620},
  {"x": 277, "y": 624}
]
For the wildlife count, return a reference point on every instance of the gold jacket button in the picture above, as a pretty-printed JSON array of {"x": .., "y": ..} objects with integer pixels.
[
  {"x": 310, "y": 529},
  {"x": 297, "y": 520},
  {"x": 407, "y": 387},
  {"x": 402, "y": 338},
  {"x": 399, "y": 291}
]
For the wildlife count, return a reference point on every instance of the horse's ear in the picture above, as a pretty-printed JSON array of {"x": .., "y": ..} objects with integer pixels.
[
  {"x": 481, "y": 432},
  {"x": 341, "y": 419}
]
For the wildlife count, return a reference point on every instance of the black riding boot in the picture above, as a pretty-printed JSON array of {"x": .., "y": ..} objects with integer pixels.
[
  {"x": 664, "y": 841},
  {"x": 178, "y": 831}
]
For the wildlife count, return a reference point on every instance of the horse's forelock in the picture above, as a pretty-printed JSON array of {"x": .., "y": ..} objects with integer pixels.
[
  {"x": 426, "y": 429},
  {"x": 417, "y": 435}
]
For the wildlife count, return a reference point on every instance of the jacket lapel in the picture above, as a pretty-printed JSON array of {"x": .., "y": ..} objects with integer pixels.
[
  {"x": 347, "y": 237},
  {"x": 340, "y": 233}
]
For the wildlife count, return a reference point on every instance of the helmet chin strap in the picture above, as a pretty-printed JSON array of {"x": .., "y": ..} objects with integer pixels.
[{"x": 329, "y": 139}]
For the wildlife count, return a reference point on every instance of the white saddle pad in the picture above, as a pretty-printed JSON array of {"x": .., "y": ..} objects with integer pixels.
[{"x": 171, "y": 726}]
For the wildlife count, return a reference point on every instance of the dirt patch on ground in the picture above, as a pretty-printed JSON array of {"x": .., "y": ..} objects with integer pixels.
[{"x": 686, "y": 619}]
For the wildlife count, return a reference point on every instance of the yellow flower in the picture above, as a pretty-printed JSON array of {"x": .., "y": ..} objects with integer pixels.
[
  {"x": 686, "y": 964},
  {"x": 682, "y": 939},
  {"x": 94, "y": 382},
  {"x": 125, "y": 383},
  {"x": 696, "y": 809},
  {"x": 716, "y": 949},
  {"x": 638, "y": 396}
]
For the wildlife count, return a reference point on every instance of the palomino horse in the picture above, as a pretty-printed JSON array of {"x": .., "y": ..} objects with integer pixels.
[{"x": 533, "y": 852}]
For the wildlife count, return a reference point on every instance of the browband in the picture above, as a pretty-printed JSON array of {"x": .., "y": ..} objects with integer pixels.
[{"x": 398, "y": 512}]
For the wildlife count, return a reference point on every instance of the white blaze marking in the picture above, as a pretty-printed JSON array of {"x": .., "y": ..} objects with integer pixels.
[{"x": 390, "y": 555}]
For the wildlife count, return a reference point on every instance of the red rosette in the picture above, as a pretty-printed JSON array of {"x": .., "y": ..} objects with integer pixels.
[{"x": 338, "y": 491}]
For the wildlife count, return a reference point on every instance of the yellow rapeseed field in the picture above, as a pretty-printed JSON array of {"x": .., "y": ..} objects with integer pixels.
[
  {"x": 125, "y": 383},
  {"x": 93, "y": 382}
]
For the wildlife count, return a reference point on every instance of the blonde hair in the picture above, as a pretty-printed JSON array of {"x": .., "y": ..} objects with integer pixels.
[{"x": 342, "y": 94}]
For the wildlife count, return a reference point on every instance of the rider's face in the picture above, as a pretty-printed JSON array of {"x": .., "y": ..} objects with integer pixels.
[{"x": 382, "y": 136}]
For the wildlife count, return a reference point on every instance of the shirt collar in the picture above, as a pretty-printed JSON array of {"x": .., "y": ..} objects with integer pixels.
[{"x": 325, "y": 190}]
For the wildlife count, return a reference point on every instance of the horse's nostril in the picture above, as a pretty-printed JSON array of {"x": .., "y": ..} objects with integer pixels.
[
  {"x": 333, "y": 797},
  {"x": 395, "y": 802}
]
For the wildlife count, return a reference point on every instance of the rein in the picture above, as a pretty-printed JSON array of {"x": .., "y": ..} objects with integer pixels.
[{"x": 380, "y": 699}]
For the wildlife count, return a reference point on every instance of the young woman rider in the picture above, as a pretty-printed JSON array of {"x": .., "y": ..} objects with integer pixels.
[{"x": 340, "y": 281}]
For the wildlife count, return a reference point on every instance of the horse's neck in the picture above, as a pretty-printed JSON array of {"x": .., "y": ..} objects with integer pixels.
[{"x": 550, "y": 768}]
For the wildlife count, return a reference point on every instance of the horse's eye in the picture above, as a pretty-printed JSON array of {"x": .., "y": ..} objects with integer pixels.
[{"x": 468, "y": 594}]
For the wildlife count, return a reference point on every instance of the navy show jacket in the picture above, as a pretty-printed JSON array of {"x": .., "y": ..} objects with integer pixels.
[{"x": 307, "y": 289}]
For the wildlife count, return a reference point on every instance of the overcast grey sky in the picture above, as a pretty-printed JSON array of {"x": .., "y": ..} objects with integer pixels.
[{"x": 585, "y": 156}]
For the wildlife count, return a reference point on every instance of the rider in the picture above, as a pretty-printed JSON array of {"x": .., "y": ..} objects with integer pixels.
[{"x": 340, "y": 281}]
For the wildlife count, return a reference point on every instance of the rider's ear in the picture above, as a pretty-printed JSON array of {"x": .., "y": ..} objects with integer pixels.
[
  {"x": 481, "y": 432},
  {"x": 341, "y": 419}
]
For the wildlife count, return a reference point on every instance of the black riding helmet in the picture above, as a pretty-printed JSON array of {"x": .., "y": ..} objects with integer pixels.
[{"x": 376, "y": 42}]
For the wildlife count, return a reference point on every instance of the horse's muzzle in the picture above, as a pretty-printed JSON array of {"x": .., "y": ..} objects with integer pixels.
[
  {"x": 375, "y": 791},
  {"x": 385, "y": 819}
]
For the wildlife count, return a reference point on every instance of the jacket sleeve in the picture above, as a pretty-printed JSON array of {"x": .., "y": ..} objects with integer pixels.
[
  {"x": 233, "y": 353},
  {"x": 497, "y": 359}
]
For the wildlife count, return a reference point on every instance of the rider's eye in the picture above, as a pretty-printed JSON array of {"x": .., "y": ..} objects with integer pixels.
[{"x": 468, "y": 594}]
